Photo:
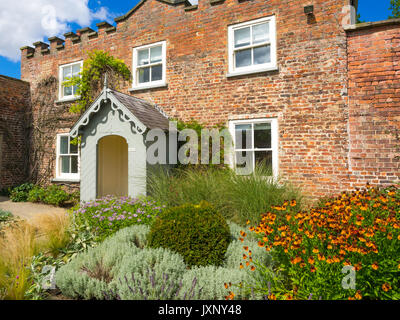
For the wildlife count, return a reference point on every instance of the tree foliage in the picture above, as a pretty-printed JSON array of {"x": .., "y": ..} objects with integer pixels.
[
  {"x": 91, "y": 79},
  {"x": 395, "y": 8}
]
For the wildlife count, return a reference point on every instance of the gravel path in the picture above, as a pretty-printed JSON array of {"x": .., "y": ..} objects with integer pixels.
[{"x": 27, "y": 210}]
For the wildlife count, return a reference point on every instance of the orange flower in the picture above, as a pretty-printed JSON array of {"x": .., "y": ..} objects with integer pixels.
[
  {"x": 313, "y": 269},
  {"x": 248, "y": 222},
  {"x": 311, "y": 260},
  {"x": 386, "y": 287},
  {"x": 358, "y": 295},
  {"x": 260, "y": 244},
  {"x": 244, "y": 256},
  {"x": 241, "y": 266},
  {"x": 375, "y": 266},
  {"x": 293, "y": 203},
  {"x": 231, "y": 296},
  {"x": 246, "y": 248},
  {"x": 315, "y": 250},
  {"x": 272, "y": 297},
  {"x": 253, "y": 268}
]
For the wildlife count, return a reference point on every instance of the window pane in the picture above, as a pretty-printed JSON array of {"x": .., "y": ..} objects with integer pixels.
[
  {"x": 66, "y": 73},
  {"x": 76, "y": 68},
  {"x": 244, "y": 162},
  {"x": 260, "y": 33},
  {"x": 243, "y": 136},
  {"x": 262, "y": 135},
  {"x": 156, "y": 54},
  {"x": 143, "y": 57},
  {"x": 64, "y": 145},
  {"x": 156, "y": 73},
  {"x": 144, "y": 75},
  {"x": 73, "y": 148},
  {"x": 264, "y": 158},
  {"x": 243, "y": 58},
  {"x": 74, "y": 89},
  {"x": 67, "y": 91},
  {"x": 262, "y": 55},
  {"x": 65, "y": 164},
  {"x": 242, "y": 37},
  {"x": 74, "y": 164}
]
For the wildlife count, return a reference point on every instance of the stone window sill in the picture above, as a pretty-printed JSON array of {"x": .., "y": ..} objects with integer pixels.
[
  {"x": 68, "y": 99},
  {"x": 150, "y": 86},
  {"x": 66, "y": 180},
  {"x": 247, "y": 72}
]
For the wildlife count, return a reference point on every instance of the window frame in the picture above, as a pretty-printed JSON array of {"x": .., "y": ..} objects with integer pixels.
[
  {"x": 270, "y": 66},
  {"x": 135, "y": 67},
  {"x": 59, "y": 174},
  {"x": 274, "y": 142},
  {"x": 61, "y": 80}
]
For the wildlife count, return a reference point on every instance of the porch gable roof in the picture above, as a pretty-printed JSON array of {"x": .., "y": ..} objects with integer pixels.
[{"x": 142, "y": 114}]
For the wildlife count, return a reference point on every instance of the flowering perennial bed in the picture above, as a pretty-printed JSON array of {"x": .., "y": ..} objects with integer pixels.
[
  {"x": 109, "y": 214},
  {"x": 359, "y": 229}
]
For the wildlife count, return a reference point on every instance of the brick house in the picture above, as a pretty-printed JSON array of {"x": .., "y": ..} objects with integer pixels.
[{"x": 309, "y": 84}]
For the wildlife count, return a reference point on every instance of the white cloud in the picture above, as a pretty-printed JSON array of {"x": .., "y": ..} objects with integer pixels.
[{"x": 23, "y": 22}]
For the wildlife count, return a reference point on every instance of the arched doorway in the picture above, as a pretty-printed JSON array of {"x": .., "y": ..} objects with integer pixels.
[{"x": 112, "y": 166}]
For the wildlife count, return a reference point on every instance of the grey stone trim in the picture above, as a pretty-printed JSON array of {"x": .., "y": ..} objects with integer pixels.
[
  {"x": 87, "y": 29},
  {"x": 370, "y": 25},
  {"x": 191, "y": 8},
  {"x": 103, "y": 24}
]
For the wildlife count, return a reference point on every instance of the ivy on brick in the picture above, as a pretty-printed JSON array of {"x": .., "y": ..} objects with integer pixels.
[{"x": 91, "y": 78}]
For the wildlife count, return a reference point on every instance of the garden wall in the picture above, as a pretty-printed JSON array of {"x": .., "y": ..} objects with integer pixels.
[
  {"x": 14, "y": 131},
  {"x": 374, "y": 101}
]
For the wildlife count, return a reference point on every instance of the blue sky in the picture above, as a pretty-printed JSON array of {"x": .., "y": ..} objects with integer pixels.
[{"x": 100, "y": 10}]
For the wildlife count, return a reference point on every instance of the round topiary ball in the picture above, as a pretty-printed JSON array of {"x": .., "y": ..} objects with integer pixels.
[{"x": 197, "y": 232}]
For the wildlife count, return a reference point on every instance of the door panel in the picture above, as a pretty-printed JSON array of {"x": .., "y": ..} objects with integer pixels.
[{"x": 112, "y": 168}]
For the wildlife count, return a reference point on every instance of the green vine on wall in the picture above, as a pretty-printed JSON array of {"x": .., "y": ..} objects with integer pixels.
[
  {"x": 91, "y": 78},
  {"x": 198, "y": 128}
]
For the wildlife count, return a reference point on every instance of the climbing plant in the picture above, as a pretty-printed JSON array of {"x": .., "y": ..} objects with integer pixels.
[
  {"x": 91, "y": 79},
  {"x": 198, "y": 128},
  {"x": 46, "y": 120}
]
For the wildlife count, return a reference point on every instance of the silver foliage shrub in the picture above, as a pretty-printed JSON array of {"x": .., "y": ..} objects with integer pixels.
[
  {"x": 123, "y": 268},
  {"x": 149, "y": 274},
  {"x": 210, "y": 283},
  {"x": 86, "y": 275}
]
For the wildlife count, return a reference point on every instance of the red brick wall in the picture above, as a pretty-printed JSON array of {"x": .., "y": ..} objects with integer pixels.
[
  {"x": 14, "y": 111},
  {"x": 306, "y": 94},
  {"x": 374, "y": 103}
]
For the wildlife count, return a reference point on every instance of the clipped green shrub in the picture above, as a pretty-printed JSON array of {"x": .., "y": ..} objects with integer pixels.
[
  {"x": 56, "y": 196},
  {"x": 37, "y": 194},
  {"x": 198, "y": 232},
  {"x": 20, "y": 193}
]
